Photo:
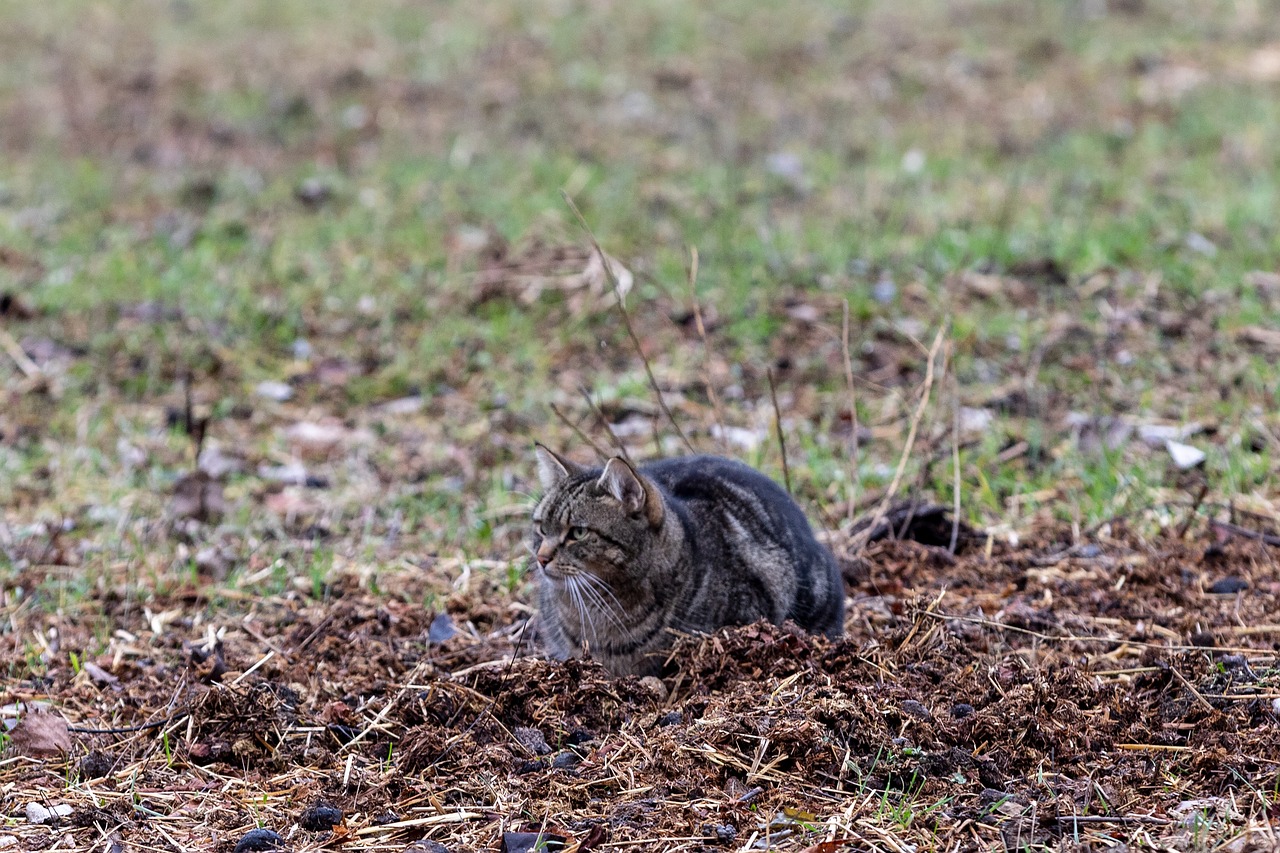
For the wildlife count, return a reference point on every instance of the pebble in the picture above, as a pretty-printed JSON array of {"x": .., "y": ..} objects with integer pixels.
[
  {"x": 528, "y": 842},
  {"x": 95, "y": 765},
  {"x": 320, "y": 817},
  {"x": 259, "y": 840},
  {"x": 566, "y": 760},
  {"x": 441, "y": 629},
  {"x": 532, "y": 740},
  {"x": 961, "y": 710},
  {"x": 37, "y": 813},
  {"x": 916, "y": 709},
  {"x": 1229, "y": 586},
  {"x": 273, "y": 390}
]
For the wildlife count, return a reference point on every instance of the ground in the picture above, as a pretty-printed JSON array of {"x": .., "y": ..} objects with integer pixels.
[{"x": 288, "y": 292}]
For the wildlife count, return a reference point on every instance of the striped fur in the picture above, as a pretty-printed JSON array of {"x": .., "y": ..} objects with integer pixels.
[{"x": 625, "y": 556}]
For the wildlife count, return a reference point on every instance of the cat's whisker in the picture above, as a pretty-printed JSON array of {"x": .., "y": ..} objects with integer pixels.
[
  {"x": 591, "y": 587},
  {"x": 571, "y": 582},
  {"x": 614, "y": 612}
]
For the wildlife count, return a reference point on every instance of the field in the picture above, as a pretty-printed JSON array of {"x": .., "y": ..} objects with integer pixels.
[{"x": 288, "y": 291}]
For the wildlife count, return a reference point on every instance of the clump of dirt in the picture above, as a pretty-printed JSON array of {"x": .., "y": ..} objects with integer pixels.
[{"x": 1045, "y": 693}]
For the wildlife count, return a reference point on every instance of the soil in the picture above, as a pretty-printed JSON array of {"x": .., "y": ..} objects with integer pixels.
[{"x": 1058, "y": 693}]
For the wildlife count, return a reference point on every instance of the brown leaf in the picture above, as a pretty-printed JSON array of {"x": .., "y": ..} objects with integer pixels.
[
  {"x": 199, "y": 496},
  {"x": 99, "y": 674},
  {"x": 312, "y": 440},
  {"x": 828, "y": 846},
  {"x": 41, "y": 734},
  {"x": 1260, "y": 337}
]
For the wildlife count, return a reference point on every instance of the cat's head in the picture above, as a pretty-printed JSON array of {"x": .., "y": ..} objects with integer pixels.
[{"x": 599, "y": 521}]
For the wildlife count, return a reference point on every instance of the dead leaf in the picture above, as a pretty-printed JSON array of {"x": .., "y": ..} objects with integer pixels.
[
  {"x": 99, "y": 674},
  {"x": 312, "y": 440},
  {"x": 41, "y": 734},
  {"x": 274, "y": 390},
  {"x": 197, "y": 495},
  {"x": 1267, "y": 340},
  {"x": 1184, "y": 455},
  {"x": 828, "y": 846}
]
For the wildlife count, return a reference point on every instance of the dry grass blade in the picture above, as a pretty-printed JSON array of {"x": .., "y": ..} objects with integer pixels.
[
  {"x": 582, "y": 436},
  {"x": 855, "y": 478},
  {"x": 955, "y": 461},
  {"x": 777, "y": 425},
  {"x": 604, "y": 424},
  {"x": 707, "y": 382},
  {"x": 626, "y": 321},
  {"x": 860, "y": 542},
  {"x": 29, "y": 368}
]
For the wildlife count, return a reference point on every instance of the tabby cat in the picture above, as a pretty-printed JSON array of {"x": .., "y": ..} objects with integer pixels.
[{"x": 626, "y": 556}]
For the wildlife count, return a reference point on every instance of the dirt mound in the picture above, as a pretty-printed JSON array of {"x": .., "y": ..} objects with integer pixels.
[{"x": 1037, "y": 695}]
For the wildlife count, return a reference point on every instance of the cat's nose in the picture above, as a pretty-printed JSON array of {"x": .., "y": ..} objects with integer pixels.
[{"x": 545, "y": 553}]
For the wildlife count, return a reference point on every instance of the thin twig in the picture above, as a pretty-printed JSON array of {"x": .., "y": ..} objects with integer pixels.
[
  {"x": 1237, "y": 530},
  {"x": 861, "y": 540},
  {"x": 1204, "y": 703},
  {"x": 122, "y": 730},
  {"x": 582, "y": 436},
  {"x": 777, "y": 423},
  {"x": 626, "y": 319},
  {"x": 1191, "y": 512},
  {"x": 1081, "y": 638},
  {"x": 955, "y": 461},
  {"x": 855, "y": 479},
  {"x": 1119, "y": 818},
  {"x": 604, "y": 422},
  {"x": 722, "y": 439},
  {"x": 20, "y": 358}
]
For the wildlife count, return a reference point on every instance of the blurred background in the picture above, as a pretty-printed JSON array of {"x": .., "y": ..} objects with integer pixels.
[{"x": 324, "y": 246}]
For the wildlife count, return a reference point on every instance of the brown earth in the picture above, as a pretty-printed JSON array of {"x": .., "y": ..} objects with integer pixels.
[{"x": 1045, "y": 694}]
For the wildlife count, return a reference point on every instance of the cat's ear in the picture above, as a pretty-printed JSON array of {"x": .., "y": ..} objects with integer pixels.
[
  {"x": 622, "y": 482},
  {"x": 552, "y": 470}
]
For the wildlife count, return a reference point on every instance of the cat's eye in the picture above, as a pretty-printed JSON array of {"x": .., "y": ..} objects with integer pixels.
[{"x": 576, "y": 533}]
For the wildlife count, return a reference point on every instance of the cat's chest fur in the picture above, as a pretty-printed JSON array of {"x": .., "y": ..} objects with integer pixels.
[{"x": 627, "y": 557}]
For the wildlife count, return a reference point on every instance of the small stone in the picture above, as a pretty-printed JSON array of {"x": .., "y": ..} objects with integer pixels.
[
  {"x": 671, "y": 718},
  {"x": 320, "y": 817},
  {"x": 259, "y": 840},
  {"x": 313, "y": 192},
  {"x": 528, "y": 842},
  {"x": 273, "y": 390},
  {"x": 532, "y": 740},
  {"x": 722, "y": 832},
  {"x": 655, "y": 687},
  {"x": 566, "y": 760},
  {"x": 916, "y": 709},
  {"x": 314, "y": 440},
  {"x": 1185, "y": 456},
  {"x": 441, "y": 628},
  {"x": 961, "y": 710},
  {"x": 425, "y": 846},
  {"x": 1229, "y": 586},
  {"x": 37, "y": 813},
  {"x": 95, "y": 765},
  {"x": 1203, "y": 639}
]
